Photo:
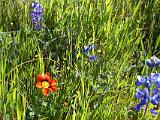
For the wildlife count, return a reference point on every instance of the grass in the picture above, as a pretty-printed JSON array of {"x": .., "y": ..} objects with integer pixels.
[{"x": 124, "y": 33}]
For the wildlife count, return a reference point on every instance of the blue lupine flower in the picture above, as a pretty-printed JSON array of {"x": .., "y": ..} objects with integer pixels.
[
  {"x": 155, "y": 77},
  {"x": 140, "y": 104},
  {"x": 155, "y": 91},
  {"x": 155, "y": 97},
  {"x": 147, "y": 81},
  {"x": 149, "y": 96},
  {"x": 89, "y": 48},
  {"x": 137, "y": 108},
  {"x": 141, "y": 80},
  {"x": 139, "y": 94},
  {"x": 142, "y": 94},
  {"x": 153, "y": 62},
  {"x": 153, "y": 112},
  {"x": 90, "y": 58},
  {"x": 36, "y": 15},
  {"x": 153, "y": 100},
  {"x": 145, "y": 95},
  {"x": 86, "y": 48}
]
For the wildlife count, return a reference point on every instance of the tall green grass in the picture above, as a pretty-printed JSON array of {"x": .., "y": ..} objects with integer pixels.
[{"x": 124, "y": 33}]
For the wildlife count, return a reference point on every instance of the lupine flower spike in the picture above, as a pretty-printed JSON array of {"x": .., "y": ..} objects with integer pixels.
[
  {"x": 45, "y": 82},
  {"x": 149, "y": 95},
  {"x": 88, "y": 49},
  {"x": 36, "y": 15}
]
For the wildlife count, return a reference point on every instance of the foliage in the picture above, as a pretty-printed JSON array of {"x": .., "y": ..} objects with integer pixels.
[{"x": 124, "y": 34}]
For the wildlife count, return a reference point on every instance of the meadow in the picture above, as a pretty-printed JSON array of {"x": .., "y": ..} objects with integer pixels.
[{"x": 93, "y": 51}]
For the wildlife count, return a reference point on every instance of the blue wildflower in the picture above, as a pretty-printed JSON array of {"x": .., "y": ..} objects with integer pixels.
[
  {"x": 155, "y": 77},
  {"x": 143, "y": 96},
  {"x": 140, "y": 105},
  {"x": 89, "y": 48},
  {"x": 155, "y": 91},
  {"x": 139, "y": 94},
  {"x": 155, "y": 97},
  {"x": 153, "y": 112},
  {"x": 36, "y": 15},
  {"x": 90, "y": 58},
  {"x": 86, "y": 48},
  {"x": 153, "y": 62},
  {"x": 137, "y": 108},
  {"x": 149, "y": 95},
  {"x": 141, "y": 80}
]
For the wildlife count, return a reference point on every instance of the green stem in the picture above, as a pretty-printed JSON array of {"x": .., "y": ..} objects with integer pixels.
[{"x": 149, "y": 76}]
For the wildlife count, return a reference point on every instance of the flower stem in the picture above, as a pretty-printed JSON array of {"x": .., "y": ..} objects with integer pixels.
[
  {"x": 149, "y": 76},
  {"x": 146, "y": 109}
]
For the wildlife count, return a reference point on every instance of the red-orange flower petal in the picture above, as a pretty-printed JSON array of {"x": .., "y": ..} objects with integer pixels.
[
  {"x": 40, "y": 77},
  {"x": 45, "y": 91},
  {"x": 39, "y": 84},
  {"x": 47, "y": 77},
  {"x": 53, "y": 82},
  {"x": 47, "y": 73},
  {"x": 53, "y": 88}
]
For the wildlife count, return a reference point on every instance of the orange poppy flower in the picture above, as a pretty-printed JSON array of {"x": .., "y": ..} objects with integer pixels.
[{"x": 45, "y": 82}]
